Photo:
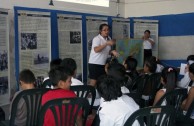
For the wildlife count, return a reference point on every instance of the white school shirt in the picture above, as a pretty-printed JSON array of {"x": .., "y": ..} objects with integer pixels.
[
  {"x": 99, "y": 57},
  {"x": 116, "y": 112},
  {"x": 184, "y": 81},
  {"x": 75, "y": 82},
  {"x": 147, "y": 44}
]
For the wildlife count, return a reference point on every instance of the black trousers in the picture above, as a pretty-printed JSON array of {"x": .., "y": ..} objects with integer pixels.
[{"x": 147, "y": 53}]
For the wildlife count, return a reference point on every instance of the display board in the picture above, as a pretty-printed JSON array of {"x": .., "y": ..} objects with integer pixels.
[
  {"x": 141, "y": 25},
  {"x": 34, "y": 42},
  {"x": 4, "y": 58},
  {"x": 120, "y": 28},
  {"x": 70, "y": 38},
  {"x": 130, "y": 47}
]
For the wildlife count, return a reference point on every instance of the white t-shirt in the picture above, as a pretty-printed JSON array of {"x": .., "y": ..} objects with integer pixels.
[
  {"x": 159, "y": 68},
  {"x": 100, "y": 57},
  {"x": 184, "y": 81},
  {"x": 116, "y": 112},
  {"x": 75, "y": 82},
  {"x": 147, "y": 44}
]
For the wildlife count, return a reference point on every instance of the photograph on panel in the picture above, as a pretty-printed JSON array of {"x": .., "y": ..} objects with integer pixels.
[
  {"x": 28, "y": 41},
  {"x": 41, "y": 58},
  {"x": 3, "y": 85},
  {"x": 75, "y": 37},
  {"x": 3, "y": 60}
]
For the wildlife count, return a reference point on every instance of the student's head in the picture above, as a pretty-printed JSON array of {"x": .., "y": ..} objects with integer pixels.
[
  {"x": 118, "y": 72},
  {"x": 60, "y": 77},
  {"x": 110, "y": 61},
  {"x": 71, "y": 64},
  {"x": 191, "y": 71},
  {"x": 104, "y": 30},
  {"x": 150, "y": 65},
  {"x": 130, "y": 64},
  {"x": 190, "y": 59},
  {"x": 27, "y": 79},
  {"x": 147, "y": 33},
  {"x": 169, "y": 78},
  {"x": 108, "y": 88},
  {"x": 55, "y": 63}
]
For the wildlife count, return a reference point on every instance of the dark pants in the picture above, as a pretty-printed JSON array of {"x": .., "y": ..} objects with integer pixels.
[{"x": 147, "y": 53}]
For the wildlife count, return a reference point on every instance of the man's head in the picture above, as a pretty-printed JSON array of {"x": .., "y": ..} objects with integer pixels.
[{"x": 55, "y": 63}]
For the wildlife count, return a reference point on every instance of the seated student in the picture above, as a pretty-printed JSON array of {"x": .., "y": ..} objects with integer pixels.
[
  {"x": 187, "y": 102},
  {"x": 169, "y": 81},
  {"x": 53, "y": 64},
  {"x": 159, "y": 67},
  {"x": 117, "y": 70},
  {"x": 115, "y": 108},
  {"x": 61, "y": 79},
  {"x": 149, "y": 68},
  {"x": 109, "y": 61},
  {"x": 71, "y": 64},
  {"x": 130, "y": 65},
  {"x": 27, "y": 80},
  {"x": 186, "y": 81}
]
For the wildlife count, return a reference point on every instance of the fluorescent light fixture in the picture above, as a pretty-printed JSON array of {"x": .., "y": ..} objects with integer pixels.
[{"x": 103, "y": 3}]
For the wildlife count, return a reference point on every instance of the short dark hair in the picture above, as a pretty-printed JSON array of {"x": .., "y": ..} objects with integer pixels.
[
  {"x": 169, "y": 76},
  {"x": 131, "y": 63},
  {"x": 148, "y": 31},
  {"x": 59, "y": 73},
  {"x": 191, "y": 68},
  {"x": 151, "y": 64},
  {"x": 70, "y": 64},
  {"x": 103, "y": 25},
  {"x": 108, "y": 88},
  {"x": 27, "y": 76},
  {"x": 190, "y": 57},
  {"x": 55, "y": 63},
  {"x": 117, "y": 71}
]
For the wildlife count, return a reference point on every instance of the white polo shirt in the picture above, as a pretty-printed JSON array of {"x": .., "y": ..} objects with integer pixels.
[
  {"x": 147, "y": 44},
  {"x": 100, "y": 57},
  {"x": 116, "y": 112}
]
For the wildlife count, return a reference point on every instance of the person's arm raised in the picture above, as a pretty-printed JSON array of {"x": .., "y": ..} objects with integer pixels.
[{"x": 101, "y": 47}]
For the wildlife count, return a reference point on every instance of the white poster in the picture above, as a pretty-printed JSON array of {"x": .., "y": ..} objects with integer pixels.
[
  {"x": 4, "y": 58},
  {"x": 141, "y": 25},
  {"x": 34, "y": 38},
  {"x": 70, "y": 39},
  {"x": 120, "y": 28}
]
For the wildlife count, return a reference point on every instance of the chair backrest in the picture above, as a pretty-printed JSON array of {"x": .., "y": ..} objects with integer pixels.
[
  {"x": 2, "y": 114},
  {"x": 174, "y": 98},
  {"x": 85, "y": 91},
  {"x": 46, "y": 83},
  {"x": 32, "y": 101},
  {"x": 65, "y": 111},
  {"x": 152, "y": 116}
]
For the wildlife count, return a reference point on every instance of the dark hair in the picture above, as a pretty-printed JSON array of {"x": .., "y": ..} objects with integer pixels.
[
  {"x": 59, "y": 73},
  {"x": 190, "y": 57},
  {"x": 151, "y": 64},
  {"x": 112, "y": 60},
  {"x": 103, "y": 25},
  {"x": 118, "y": 72},
  {"x": 108, "y": 88},
  {"x": 54, "y": 63},
  {"x": 70, "y": 64},
  {"x": 169, "y": 76},
  {"x": 191, "y": 68},
  {"x": 148, "y": 31},
  {"x": 131, "y": 63},
  {"x": 27, "y": 76}
]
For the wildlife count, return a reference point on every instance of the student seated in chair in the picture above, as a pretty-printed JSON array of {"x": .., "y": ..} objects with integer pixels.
[
  {"x": 61, "y": 79},
  {"x": 169, "y": 81},
  {"x": 187, "y": 102},
  {"x": 115, "y": 107},
  {"x": 27, "y": 80}
]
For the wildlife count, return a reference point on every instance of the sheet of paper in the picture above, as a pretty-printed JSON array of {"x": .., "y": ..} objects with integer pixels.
[{"x": 182, "y": 69}]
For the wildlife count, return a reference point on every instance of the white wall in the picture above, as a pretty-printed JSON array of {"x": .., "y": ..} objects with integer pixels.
[
  {"x": 44, "y": 4},
  {"x": 138, "y": 8}
]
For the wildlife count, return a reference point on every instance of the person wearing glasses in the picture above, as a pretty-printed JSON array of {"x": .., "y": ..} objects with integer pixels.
[{"x": 100, "y": 51}]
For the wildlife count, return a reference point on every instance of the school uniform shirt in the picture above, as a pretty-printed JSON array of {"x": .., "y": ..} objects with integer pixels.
[
  {"x": 54, "y": 94},
  {"x": 159, "y": 68},
  {"x": 75, "y": 82},
  {"x": 116, "y": 112},
  {"x": 99, "y": 58},
  {"x": 184, "y": 81},
  {"x": 147, "y": 44}
]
